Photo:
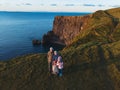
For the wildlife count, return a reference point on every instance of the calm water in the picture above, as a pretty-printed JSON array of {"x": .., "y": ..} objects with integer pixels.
[{"x": 18, "y": 29}]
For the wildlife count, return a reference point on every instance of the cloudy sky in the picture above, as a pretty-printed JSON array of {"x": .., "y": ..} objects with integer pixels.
[{"x": 58, "y": 5}]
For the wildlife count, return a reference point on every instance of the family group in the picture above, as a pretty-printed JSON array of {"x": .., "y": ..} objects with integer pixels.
[{"x": 55, "y": 62}]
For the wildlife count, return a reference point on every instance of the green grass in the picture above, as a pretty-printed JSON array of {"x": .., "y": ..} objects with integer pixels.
[
  {"x": 91, "y": 66},
  {"x": 114, "y": 12}
]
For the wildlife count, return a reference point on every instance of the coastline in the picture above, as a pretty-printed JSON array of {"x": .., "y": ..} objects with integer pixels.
[{"x": 15, "y": 39}]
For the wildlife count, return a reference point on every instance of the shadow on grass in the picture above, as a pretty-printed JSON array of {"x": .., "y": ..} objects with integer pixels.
[
  {"x": 104, "y": 72},
  {"x": 74, "y": 68}
]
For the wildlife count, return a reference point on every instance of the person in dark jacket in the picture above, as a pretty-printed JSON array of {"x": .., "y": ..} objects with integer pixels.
[
  {"x": 55, "y": 56},
  {"x": 54, "y": 62}
]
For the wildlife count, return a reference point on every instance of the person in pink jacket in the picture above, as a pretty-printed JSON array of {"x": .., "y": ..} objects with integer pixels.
[{"x": 60, "y": 66}]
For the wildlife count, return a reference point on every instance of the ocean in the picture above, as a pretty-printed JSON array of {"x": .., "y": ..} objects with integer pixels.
[{"x": 18, "y": 29}]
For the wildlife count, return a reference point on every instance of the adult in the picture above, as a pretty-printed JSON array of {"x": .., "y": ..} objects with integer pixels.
[
  {"x": 50, "y": 59},
  {"x": 55, "y": 56},
  {"x": 54, "y": 63}
]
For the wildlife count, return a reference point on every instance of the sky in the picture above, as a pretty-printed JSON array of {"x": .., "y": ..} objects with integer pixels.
[{"x": 58, "y": 5}]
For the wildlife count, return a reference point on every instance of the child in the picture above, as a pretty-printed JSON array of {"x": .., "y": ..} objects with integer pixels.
[
  {"x": 54, "y": 68},
  {"x": 60, "y": 65}
]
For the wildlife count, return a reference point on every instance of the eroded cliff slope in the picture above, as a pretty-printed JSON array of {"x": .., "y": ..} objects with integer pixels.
[{"x": 101, "y": 25}]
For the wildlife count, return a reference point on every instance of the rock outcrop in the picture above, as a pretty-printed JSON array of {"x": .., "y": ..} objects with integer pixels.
[
  {"x": 65, "y": 28},
  {"x": 36, "y": 42}
]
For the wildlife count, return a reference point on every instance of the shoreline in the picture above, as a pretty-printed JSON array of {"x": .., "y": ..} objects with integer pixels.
[{"x": 57, "y": 47}]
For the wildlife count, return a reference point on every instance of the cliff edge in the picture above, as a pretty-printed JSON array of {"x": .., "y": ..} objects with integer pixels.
[
  {"x": 101, "y": 25},
  {"x": 66, "y": 28}
]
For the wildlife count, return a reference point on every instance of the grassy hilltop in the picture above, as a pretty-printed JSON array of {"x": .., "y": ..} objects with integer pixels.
[{"x": 91, "y": 62}]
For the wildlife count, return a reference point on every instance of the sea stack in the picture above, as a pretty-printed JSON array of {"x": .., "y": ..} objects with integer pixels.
[{"x": 36, "y": 42}]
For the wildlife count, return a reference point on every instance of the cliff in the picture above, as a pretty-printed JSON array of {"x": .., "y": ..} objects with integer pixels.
[{"x": 67, "y": 28}]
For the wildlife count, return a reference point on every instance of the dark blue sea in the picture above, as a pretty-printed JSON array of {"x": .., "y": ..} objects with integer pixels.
[{"x": 18, "y": 29}]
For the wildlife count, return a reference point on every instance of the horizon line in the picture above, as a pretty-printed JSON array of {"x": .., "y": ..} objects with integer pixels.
[{"x": 51, "y": 11}]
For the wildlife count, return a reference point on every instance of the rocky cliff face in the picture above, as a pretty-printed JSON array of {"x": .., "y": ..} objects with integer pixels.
[
  {"x": 66, "y": 28},
  {"x": 99, "y": 26}
]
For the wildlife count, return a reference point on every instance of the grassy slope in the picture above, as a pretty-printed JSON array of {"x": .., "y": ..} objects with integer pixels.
[
  {"x": 90, "y": 63},
  {"x": 114, "y": 12},
  {"x": 90, "y": 66}
]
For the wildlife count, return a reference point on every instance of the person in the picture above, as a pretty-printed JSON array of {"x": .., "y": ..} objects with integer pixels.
[
  {"x": 60, "y": 66},
  {"x": 50, "y": 58},
  {"x": 55, "y": 56},
  {"x": 54, "y": 64},
  {"x": 54, "y": 68}
]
